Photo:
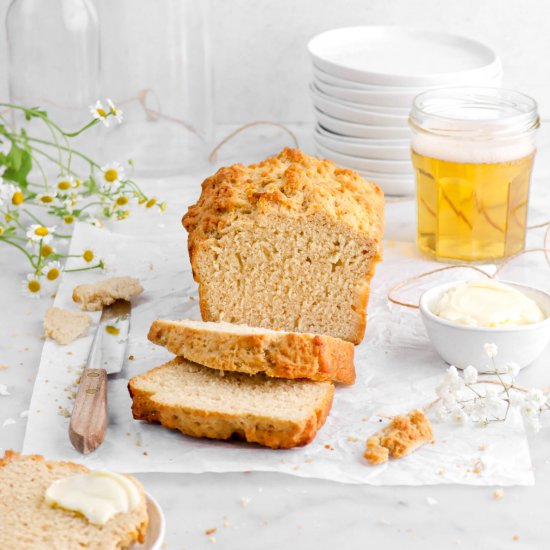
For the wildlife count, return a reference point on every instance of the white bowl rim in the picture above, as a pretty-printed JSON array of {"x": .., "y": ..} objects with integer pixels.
[
  {"x": 152, "y": 501},
  {"x": 355, "y": 157},
  {"x": 425, "y": 310},
  {"x": 398, "y": 129},
  {"x": 393, "y": 143}
]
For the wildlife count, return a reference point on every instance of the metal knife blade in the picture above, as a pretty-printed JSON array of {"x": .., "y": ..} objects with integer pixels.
[{"x": 109, "y": 345}]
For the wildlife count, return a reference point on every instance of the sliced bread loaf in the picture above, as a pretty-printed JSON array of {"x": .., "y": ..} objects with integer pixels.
[
  {"x": 290, "y": 243},
  {"x": 203, "y": 402},
  {"x": 279, "y": 354},
  {"x": 28, "y": 522}
]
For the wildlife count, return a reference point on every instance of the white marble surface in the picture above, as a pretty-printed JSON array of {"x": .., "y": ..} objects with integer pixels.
[{"x": 286, "y": 511}]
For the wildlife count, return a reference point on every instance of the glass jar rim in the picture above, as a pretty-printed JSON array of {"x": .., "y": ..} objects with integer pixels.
[{"x": 474, "y": 111}]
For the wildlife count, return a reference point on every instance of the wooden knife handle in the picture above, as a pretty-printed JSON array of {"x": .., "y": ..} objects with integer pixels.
[{"x": 89, "y": 419}]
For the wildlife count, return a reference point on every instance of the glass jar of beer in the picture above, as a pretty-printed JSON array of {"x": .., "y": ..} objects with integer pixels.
[{"x": 473, "y": 152}]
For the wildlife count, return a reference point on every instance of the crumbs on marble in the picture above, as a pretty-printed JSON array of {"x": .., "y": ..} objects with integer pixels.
[
  {"x": 2, "y": 367},
  {"x": 498, "y": 493},
  {"x": 138, "y": 443},
  {"x": 226, "y": 522},
  {"x": 329, "y": 447},
  {"x": 131, "y": 357},
  {"x": 483, "y": 447},
  {"x": 211, "y": 531},
  {"x": 145, "y": 453},
  {"x": 352, "y": 438},
  {"x": 245, "y": 501},
  {"x": 212, "y": 539},
  {"x": 515, "y": 538},
  {"x": 308, "y": 460},
  {"x": 440, "y": 472},
  {"x": 296, "y": 467}
]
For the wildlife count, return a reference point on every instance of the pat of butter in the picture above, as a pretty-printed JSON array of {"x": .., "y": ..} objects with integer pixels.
[
  {"x": 98, "y": 495},
  {"x": 488, "y": 303}
]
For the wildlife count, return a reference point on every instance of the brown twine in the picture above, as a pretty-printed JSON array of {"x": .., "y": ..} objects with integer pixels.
[
  {"x": 240, "y": 129},
  {"x": 545, "y": 249}
]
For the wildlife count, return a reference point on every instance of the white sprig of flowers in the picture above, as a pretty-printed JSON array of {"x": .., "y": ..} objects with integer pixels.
[{"x": 469, "y": 398}]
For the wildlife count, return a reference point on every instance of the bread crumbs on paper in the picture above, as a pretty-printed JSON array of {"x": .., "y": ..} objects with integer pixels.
[
  {"x": 211, "y": 531},
  {"x": 515, "y": 538},
  {"x": 245, "y": 501}
]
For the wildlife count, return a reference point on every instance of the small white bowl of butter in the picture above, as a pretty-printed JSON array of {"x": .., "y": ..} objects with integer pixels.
[{"x": 461, "y": 317}]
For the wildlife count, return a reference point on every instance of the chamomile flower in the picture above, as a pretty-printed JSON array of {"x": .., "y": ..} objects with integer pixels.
[
  {"x": 46, "y": 198},
  {"x": 88, "y": 255},
  {"x": 10, "y": 194},
  {"x": 47, "y": 250},
  {"x": 65, "y": 184},
  {"x": 31, "y": 286},
  {"x": 52, "y": 271},
  {"x": 112, "y": 175},
  {"x": 491, "y": 350},
  {"x": 114, "y": 111},
  {"x": 37, "y": 233},
  {"x": 100, "y": 113}
]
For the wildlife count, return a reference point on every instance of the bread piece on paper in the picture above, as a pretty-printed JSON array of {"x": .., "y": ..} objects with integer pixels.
[
  {"x": 65, "y": 326},
  {"x": 95, "y": 296}
]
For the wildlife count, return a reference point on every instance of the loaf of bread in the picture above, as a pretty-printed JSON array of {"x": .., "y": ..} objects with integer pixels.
[
  {"x": 290, "y": 243},
  {"x": 203, "y": 402},
  {"x": 241, "y": 348},
  {"x": 28, "y": 522}
]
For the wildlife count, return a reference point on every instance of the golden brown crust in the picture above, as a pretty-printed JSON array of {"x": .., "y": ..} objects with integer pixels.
[
  {"x": 276, "y": 433},
  {"x": 402, "y": 436},
  {"x": 292, "y": 182},
  {"x": 281, "y": 355}
]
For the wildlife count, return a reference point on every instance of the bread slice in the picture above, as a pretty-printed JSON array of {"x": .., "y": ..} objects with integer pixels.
[
  {"x": 203, "y": 402},
  {"x": 95, "y": 296},
  {"x": 65, "y": 326},
  {"x": 279, "y": 354},
  {"x": 28, "y": 522},
  {"x": 290, "y": 243}
]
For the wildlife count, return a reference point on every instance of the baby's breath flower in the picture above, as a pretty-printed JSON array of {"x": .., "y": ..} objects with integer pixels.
[
  {"x": 52, "y": 270},
  {"x": 537, "y": 397},
  {"x": 459, "y": 416},
  {"x": 37, "y": 233},
  {"x": 491, "y": 350},
  {"x": 99, "y": 113},
  {"x": 533, "y": 423},
  {"x": 470, "y": 375},
  {"x": 114, "y": 111},
  {"x": 512, "y": 369},
  {"x": 88, "y": 255},
  {"x": 112, "y": 175},
  {"x": 31, "y": 286}
]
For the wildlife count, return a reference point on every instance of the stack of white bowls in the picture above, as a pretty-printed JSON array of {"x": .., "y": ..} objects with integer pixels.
[{"x": 364, "y": 82}]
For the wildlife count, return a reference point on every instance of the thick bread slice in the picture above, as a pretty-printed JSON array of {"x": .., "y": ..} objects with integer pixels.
[
  {"x": 279, "y": 354},
  {"x": 203, "y": 402},
  {"x": 28, "y": 522}
]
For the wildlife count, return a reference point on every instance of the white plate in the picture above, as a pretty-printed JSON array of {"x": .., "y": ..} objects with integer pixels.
[
  {"x": 391, "y": 186},
  {"x": 398, "y": 100},
  {"x": 366, "y": 148},
  {"x": 360, "y": 130},
  {"x": 398, "y": 168},
  {"x": 353, "y": 112},
  {"x": 398, "y": 55},
  {"x": 154, "y": 537}
]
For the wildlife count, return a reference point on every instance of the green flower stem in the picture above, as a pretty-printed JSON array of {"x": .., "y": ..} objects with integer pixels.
[
  {"x": 66, "y": 149},
  {"x": 29, "y": 257},
  {"x": 100, "y": 264}
]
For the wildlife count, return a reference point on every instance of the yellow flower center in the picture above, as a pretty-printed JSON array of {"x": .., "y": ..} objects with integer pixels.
[
  {"x": 77, "y": 184},
  {"x": 53, "y": 274},
  {"x": 64, "y": 185},
  {"x": 33, "y": 286},
  {"x": 47, "y": 250},
  {"x": 150, "y": 203},
  {"x": 101, "y": 112},
  {"x": 1, "y": 231},
  {"x": 68, "y": 219},
  {"x": 110, "y": 329},
  {"x": 8, "y": 217},
  {"x": 88, "y": 255},
  {"x": 17, "y": 198},
  {"x": 46, "y": 199},
  {"x": 41, "y": 231},
  {"x": 110, "y": 175},
  {"x": 121, "y": 201}
]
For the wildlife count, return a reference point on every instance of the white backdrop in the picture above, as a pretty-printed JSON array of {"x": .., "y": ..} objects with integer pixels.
[{"x": 261, "y": 65}]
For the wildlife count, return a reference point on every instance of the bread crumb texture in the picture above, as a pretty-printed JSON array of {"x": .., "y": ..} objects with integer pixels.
[
  {"x": 291, "y": 242},
  {"x": 203, "y": 402},
  {"x": 95, "y": 296},
  {"x": 65, "y": 326},
  {"x": 278, "y": 354},
  {"x": 28, "y": 522},
  {"x": 400, "y": 437}
]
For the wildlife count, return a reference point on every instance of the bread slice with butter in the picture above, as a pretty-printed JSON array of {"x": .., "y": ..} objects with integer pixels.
[
  {"x": 28, "y": 521},
  {"x": 278, "y": 354},
  {"x": 204, "y": 402}
]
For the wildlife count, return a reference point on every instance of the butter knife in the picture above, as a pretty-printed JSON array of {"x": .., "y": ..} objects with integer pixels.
[{"x": 90, "y": 417}]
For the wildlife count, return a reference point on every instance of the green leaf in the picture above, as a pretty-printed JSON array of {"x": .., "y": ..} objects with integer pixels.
[{"x": 18, "y": 165}]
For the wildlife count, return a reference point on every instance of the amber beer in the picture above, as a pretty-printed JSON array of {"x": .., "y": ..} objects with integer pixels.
[
  {"x": 471, "y": 211},
  {"x": 473, "y": 152}
]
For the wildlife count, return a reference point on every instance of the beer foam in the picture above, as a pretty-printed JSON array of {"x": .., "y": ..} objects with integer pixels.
[{"x": 470, "y": 151}]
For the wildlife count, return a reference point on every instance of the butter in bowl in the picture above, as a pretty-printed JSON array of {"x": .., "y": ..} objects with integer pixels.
[{"x": 461, "y": 317}]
